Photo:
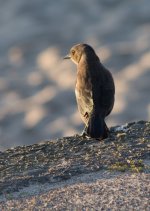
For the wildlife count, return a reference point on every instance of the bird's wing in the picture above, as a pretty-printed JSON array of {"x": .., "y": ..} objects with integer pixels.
[{"x": 102, "y": 90}]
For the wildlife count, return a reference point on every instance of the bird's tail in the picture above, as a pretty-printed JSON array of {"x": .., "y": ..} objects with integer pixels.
[{"x": 97, "y": 127}]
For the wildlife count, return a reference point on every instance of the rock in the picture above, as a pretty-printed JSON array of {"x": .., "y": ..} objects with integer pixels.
[{"x": 58, "y": 160}]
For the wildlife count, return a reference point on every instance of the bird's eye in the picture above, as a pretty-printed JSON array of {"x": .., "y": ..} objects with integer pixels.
[{"x": 73, "y": 52}]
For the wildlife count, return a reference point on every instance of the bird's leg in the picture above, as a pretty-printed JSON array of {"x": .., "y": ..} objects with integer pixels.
[{"x": 84, "y": 132}]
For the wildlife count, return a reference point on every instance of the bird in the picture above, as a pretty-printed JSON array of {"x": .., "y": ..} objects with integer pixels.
[{"x": 94, "y": 90}]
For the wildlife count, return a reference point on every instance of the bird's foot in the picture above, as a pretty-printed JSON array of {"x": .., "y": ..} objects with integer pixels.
[{"x": 84, "y": 133}]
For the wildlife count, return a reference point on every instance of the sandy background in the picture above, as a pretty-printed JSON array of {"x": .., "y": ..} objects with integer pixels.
[{"x": 37, "y": 99}]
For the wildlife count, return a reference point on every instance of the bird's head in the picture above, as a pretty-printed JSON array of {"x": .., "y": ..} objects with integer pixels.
[{"x": 81, "y": 50}]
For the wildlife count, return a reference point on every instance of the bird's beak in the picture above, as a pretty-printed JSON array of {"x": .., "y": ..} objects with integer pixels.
[{"x": 67, "y": 57}]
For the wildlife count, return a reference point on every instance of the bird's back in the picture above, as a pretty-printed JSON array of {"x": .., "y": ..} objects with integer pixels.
[{"x": 94, "y": 89}]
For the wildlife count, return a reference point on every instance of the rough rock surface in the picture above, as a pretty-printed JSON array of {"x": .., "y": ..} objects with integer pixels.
[
  {"x": 37, "y": 99},
  {"x": 71, "y": 168}
]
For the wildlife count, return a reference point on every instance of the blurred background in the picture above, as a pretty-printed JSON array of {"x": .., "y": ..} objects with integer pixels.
[{"x": 37, "y": 100}]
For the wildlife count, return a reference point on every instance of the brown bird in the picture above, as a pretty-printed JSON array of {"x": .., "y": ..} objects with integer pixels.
[{"x": 94, "y": 90}]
